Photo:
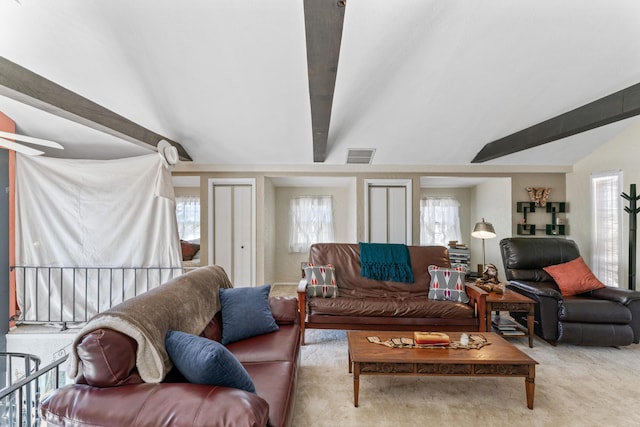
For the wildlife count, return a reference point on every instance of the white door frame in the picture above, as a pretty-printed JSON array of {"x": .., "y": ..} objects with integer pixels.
[
  {"x": 211, "y": 182},
  {"x": 407, "y": 183}
]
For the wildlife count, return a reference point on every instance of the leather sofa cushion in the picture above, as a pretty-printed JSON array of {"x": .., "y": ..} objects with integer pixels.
[
  {"x": 389, "y": 307},
  {"x": 274, "y": 382},
  {"x": 213, "y": 330},
  {"x": 597, "y": 334},
  {"x": 158, "y": 405},
  {"x": 524, "y": 258},
  {"x": 102, "y": 371},
  {"x": 281, "y": 345},
  {"x": 589, "y": 310}
]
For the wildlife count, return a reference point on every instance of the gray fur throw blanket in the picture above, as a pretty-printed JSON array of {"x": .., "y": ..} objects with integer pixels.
[{"x": 186, "y": 303}]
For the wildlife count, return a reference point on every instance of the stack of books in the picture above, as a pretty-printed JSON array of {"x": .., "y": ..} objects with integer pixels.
[
  {"x": 506, "y": 326},
  {"x": 460, "y": 257}
]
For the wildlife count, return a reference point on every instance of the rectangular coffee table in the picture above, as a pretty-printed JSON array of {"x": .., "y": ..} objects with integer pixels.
[{"x": 499, "y": 358}]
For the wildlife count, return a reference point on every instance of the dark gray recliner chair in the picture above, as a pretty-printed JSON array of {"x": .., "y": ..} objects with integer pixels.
[{"x": 602, "y": 317}]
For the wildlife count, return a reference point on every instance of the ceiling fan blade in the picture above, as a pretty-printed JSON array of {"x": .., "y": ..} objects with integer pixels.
[
  {"x": 30, "y": 139},
  {"x": 19, "y": 147}
]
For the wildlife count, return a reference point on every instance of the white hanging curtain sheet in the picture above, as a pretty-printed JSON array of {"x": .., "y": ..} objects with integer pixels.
[
  {"x": 91, "y": 213},
  {"x": 439, "y": 220}
]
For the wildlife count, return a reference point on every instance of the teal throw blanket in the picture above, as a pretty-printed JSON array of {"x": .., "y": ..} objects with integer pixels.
[{"x": 385, "y": 261}]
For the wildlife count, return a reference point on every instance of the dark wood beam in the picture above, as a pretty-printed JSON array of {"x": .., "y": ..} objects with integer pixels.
[
  {"x": 29, "y": 88},
  {"x": 611, "y": 108},
  {"x": 323, "y": 26}
]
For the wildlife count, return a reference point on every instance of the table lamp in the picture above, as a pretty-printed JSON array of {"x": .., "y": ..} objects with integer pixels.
[{"x": 483, "y": 230}]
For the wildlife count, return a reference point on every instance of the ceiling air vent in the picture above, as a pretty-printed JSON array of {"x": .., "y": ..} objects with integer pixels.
[{"x": 360, "y": 156}]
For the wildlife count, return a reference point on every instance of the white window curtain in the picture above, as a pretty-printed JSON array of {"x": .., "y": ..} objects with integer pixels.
[
  {"x": 439, "y": 220},
  {"x": 188, "y": 217},
  {"x": 310, "y": 221},
  {"x": 606, "y": 222}
]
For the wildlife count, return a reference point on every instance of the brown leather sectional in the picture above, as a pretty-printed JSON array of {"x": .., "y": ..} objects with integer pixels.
[
  {"x": 111, "y": 393},
  {"x": 366, "y": 304}
]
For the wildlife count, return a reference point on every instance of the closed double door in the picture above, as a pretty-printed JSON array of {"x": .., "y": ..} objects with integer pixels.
[
  {"x": 233, "y": 230},
  {"x": 388, "y": 211}
]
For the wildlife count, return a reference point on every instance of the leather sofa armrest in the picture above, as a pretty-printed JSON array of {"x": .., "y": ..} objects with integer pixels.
[
  {"x": 284, "y": 310},
  {"x": 302, "y": 306},
  {"x": 622, "y": 296},
  {"x": 478, "y": 298},
  {"x": 544, "y": 289},
  {"x": 107, "y": 358}
]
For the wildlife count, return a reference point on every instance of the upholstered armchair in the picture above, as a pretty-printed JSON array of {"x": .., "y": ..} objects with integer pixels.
[{"x": 549, "y": 270}]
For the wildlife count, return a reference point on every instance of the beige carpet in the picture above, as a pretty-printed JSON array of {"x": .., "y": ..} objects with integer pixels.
[{"x": 575, "y": 386}]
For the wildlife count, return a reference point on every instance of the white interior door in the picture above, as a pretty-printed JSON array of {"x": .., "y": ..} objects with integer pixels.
[
  {"x": 232, "y": 229},
  {"x": 388, "y": 211}
]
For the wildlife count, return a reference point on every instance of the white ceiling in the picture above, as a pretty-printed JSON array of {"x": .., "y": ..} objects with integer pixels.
[{"x": 424, "y": 82}]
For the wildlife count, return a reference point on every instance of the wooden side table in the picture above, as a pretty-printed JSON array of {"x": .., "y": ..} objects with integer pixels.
[{"x": 511, "y": 301}]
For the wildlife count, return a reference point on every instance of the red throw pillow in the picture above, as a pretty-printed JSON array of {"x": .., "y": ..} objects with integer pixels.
[{"x": 574, "y": 277}]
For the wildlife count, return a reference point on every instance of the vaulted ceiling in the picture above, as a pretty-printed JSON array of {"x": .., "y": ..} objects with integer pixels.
[{"x": 423, "y": 82}]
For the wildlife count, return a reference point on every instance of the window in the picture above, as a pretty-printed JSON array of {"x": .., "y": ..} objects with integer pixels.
[
  {"x": 439, "y": 220},
  {"x": 310, "y": 221},
  {"x": 606, "y": 213},
  {"x": 188, "y": 217}
]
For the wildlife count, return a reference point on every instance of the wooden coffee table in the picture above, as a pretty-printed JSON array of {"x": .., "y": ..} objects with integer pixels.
[{"x": 499, "y": 359}]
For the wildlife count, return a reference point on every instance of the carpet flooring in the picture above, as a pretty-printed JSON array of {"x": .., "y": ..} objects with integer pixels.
[{"x": 575, "y": 386}]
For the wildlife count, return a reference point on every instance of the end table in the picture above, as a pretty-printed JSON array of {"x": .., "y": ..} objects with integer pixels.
[{"x": 511, "y": 301}]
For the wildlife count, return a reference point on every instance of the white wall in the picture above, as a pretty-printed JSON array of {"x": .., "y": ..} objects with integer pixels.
[
  {"x": 492, "y": 201},
  {"x": 621, "y": 153}
]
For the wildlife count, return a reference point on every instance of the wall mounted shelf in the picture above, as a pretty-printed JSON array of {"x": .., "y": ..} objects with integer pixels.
[{"x": 557, "y": 226}]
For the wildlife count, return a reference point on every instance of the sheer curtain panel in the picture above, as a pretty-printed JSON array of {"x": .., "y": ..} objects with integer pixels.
[
  {"x": 310, "y": 221},
  {"x": 439, "y": 220},
  {"x": 606, "y": 221}
]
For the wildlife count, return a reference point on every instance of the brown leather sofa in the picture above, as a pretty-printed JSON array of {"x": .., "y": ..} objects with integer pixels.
[
  {"x": 110, "y": 392},
  {"x": 366, "y": 304},
  {"x": 601, "y": 317}
]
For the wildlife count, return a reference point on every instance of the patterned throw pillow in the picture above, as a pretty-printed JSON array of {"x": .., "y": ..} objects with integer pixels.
[
  {"x": 447, "y": 284},
  {"x": 321, "y": 281}
]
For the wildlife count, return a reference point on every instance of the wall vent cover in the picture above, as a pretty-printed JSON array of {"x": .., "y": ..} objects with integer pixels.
[{"x": 360, "y": 156}]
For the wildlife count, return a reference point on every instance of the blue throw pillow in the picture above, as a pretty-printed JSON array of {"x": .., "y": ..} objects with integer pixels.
[
  {"x": 203, "y": 361},
  {"x": 245, "y": 313}
]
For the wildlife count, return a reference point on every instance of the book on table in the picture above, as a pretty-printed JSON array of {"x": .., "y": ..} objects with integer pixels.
[
  {"x": 515, "y": 333},
  {"x": 506, "y": 325}
]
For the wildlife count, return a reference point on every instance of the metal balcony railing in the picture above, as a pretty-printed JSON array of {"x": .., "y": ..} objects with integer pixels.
[
  {"x": 24, "y": 386},
  {"x": 65, "y": 295}
]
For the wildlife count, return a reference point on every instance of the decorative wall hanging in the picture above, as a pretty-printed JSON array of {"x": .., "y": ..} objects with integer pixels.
[{"x": 539, "y": 195}]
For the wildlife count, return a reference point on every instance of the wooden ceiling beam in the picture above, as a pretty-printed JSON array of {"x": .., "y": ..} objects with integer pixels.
[
  {"x": 323, "y": 26},
  {"x": 27, "y": 87},
  {"x": 609, "y": 109}
]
